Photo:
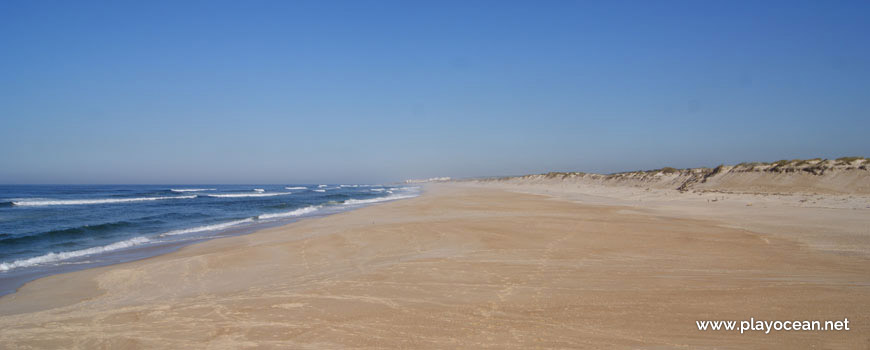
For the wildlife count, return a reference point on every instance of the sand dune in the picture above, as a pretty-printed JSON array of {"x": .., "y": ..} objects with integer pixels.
[
  {"x": 843, "y": 176},
  {"x": 820, "y": 203}
]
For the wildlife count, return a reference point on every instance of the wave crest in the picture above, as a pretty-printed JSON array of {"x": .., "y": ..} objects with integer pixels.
[
  {"x": 56, "y": 257},
  {"x": 243, "y": 195},
  {"x": 292, "y": 213},
  {"x": 191, "y": 189},
  {"x": 204, "y": 228},
  {"x": 28, "y": 202},
  {"x": 67, "y": 233},
  {"x": 376, "y": 200}
]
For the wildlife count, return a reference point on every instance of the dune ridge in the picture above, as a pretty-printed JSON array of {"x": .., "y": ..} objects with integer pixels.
[{"x": 847, "y": 175}]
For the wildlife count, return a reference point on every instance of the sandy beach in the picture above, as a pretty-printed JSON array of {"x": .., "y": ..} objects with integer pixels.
[
  {"x": 434, "y": 175},
  {"x": 476, "y": 266}
]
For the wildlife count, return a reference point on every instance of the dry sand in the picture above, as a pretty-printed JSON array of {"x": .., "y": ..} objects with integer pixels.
[{"x": 479, "y": 266}]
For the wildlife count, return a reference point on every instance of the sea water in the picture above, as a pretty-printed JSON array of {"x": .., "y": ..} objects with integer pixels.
[{"x": 47, "y": 229}]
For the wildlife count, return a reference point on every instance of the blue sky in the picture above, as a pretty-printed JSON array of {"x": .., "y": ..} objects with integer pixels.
[{"x": 373, "y": 91}]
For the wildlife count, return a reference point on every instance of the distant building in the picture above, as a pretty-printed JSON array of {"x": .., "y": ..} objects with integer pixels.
[{"x": 432, "y": 179}]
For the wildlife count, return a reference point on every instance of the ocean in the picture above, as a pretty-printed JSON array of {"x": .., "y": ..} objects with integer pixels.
[{"x": 48, "y": 229}]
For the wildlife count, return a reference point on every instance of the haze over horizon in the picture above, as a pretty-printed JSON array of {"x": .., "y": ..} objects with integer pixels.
[{"x": 311, "y": 92}]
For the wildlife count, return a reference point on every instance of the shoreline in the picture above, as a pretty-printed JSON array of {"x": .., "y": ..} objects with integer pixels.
[
  {"x": 11, "y": 285},
  {"x": 178, "y": 247},
  {"x": 458, "y": 266},
  {"x": 130, "y": 255}
]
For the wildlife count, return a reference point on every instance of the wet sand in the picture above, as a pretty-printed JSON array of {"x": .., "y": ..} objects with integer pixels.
[{"x": 464, "y": 267}]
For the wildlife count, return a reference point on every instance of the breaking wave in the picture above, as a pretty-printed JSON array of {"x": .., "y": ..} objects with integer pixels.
[
  {"x": 55, "y": 257},
  {"x": 297, "y": 212},
  {"x": 242, "y": 195},
  {"x": 191, "y": 189},
  {"x": 204, "y": 228},
  {"x": 376, "y": 200},
  {"x": 41, "y": 202}
]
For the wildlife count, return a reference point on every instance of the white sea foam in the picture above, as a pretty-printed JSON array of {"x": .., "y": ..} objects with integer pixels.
[
  {"x": 40, "y": 202},
  {"x": 348, "y": 186},
  {"x": 296, "y": 188},
  {"x": 204, "y": 228},
  {"x": 259, "y": 190},
  {"x": 242, "y": 195},
  {"x": 377, "y": 190},
  {"x": 376, "y": 200},
  {"x": 319, "y": 190},
  {"x": 297, "y": 212},
  {"x": 56, "y": 257},
  {"x": 321, "y": 186},
  {"x": 191, "y": 189}
]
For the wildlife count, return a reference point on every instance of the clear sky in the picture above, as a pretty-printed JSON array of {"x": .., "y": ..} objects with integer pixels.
[{"x": 374, "y": 91}]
